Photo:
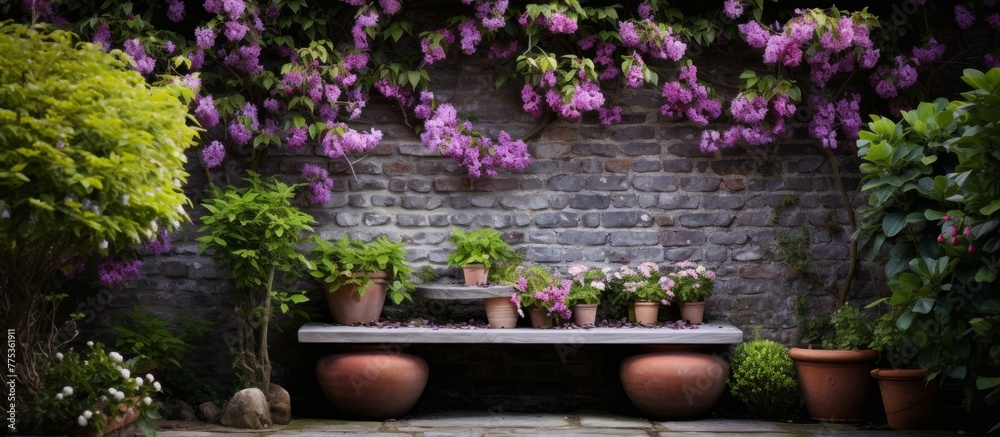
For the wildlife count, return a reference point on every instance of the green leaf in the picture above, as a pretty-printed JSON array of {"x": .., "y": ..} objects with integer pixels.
[
  {"x": 893, "y": 223},
  {"x": 923, "y": 305}
]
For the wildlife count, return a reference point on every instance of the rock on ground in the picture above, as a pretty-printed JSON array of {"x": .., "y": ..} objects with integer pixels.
[
  {"x": 247, "y": 409},
  {"x": 209, "y": 412},
  {"x": 280, "y": 404}
]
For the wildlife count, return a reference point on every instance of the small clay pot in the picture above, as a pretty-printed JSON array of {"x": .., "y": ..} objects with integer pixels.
[
  {"x": 646, "y": 313},
  {"x": 585, "y": 314},
  {"x": 908, "y": 399},
  {"x": 348, "y": 307},
  {"x": 475, "y": 274},
  {"x": 500, "y": 312}
]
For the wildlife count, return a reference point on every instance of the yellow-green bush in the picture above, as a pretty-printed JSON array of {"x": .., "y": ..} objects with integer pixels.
[{"x": 763, "y": 377}]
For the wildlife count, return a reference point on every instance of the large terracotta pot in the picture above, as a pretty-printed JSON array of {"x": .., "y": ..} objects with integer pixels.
[
  {"x": 674, "y": 384},
  {"x": 834, "y": 383},
  {"x": 348, "y": 307},
  {"x": 585, "y": 314},
  {"x": 907, "y": 398},
  {"x": 110, "y": 424},
  {"x": 646, "y": 313},
  {"x": 374, "y": 384},
  {"x": 693, "y": 312},
  {"x": 500, "y": 312},
  {"x": 539, "y": 318},
  {"x": 475, "y": 274}
]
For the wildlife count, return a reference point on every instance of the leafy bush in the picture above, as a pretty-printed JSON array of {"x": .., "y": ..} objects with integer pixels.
[
  {"x": 763, "y": 378},
  {"x": 482, "y": 246},
  {"x": 152, "y": 340},
  {"x": 588, "y": 285},
  {"x": 340, "y": 263}
]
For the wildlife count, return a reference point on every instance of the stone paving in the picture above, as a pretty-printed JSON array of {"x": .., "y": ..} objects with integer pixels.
[{"x": 582, "y": 424}]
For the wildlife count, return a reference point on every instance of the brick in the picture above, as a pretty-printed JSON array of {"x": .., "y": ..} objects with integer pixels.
[
  {"x": 625, "y": 200},
  {"x": 616, "y": 165},
  {"x": 627, "y": 219},
  {"x": 551, "y": 254},
  {"x": 419, "y": 185},
  {"x": 363, "y": 184},
  {"x": 411, "y": 220},
  {"x": 685, "y": 149},
  {"x": 591, "y": 165},
  {"x": 561, "y": 133},
  {"x": 461, "y": 219},
  {"x": 538, "y": 166},
  {"x": 397, "y": 185},
  {"x": 634, "y": 255},
  {"x": 446, "y": 184},
  {"x": 495, "y": 184},
  {"x": 798, "y": 184},
  {"x": 664, "y": 220},
  {"x": 748, "y": 254},
  {"x": 494, "y": 221},
  {"x": 674, "y": 132},
  {"x": 703, "y": 219},
  {"x": 791, "y": 219},
  {"x": 595, "y": 149},
  {"x": 384, "y": 200},
  {"x": 682, "y": 254},
  {"x": 733, "y": 184},
  {"x": 607, "y": 183},
  {"x": 565, "y": 183},
  {"x": 700, "y": 185},
  {"x": 761, "y": 271},
  {"x": 558, "y": 202},
  {"x": 633, "y": 133},
  {"x": 634, "y": 238},
  {"x": 483, "y": 201},
  {"x": 724, "y": 202},
  {"x": 347, "y": 219},
  {"x": 646, "y": 165},
  {"x": 585, "y": 238},
  {"x": 640, "y": 149},
  {"x": 357, "y": 200},
  {"x": 716, "y": 254},
  {"x": 655, "y": 183},
  {"x": 421, "y": 202},
  {"x": 728, "y": 238},
  {"x": 682, "y": 237},
  {"x": 439, "y": 220},
  {"x": 677, "y": 201},
  {"x": 831, "y": 251},
  {"x": 732, "y": 167},
  {"x": 524, "y": 202},
  {"x": 677, "y": 165},
  {"x": 557, "y": 219},
  {"x": 460, "y": 202},
  {"x": 546, "y": 237},
  {"x": 806, "y": 165},
  {"x": 434, "y": 166},
  {"x": 590, "y": 201},
  {"x": 590, "y": 220},
  {"x": 376, "y": 218}
]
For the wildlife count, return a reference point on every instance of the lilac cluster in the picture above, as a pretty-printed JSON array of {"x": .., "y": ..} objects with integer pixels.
[
  {"x": 470, "y": 36},
  {"x": 888, "y": 81},
  {"x": 732, "y": 8},
  {"x": 759, "y": 121},
  {"x": 445, "y": 134},
  {"x": 206, "y": 113},
  {"x": 320, "y": 184},
  {"x": 556, "y": 22},
  {"x": 401, "y": 94},
  {"x": 497, "y": 51},
  {"x": 102, "y": 36},
  {"x": 432, "y": 47},
  {"x": 175, "y": 10},
  {"x": 491, "y": 14},
  {"x": 365, "y": 21},
  {"x": 963, "y": 17},
  {"x": 390, "y": 7},
  {"x": 611, "y": 116},
  {"x": 242, "y": 127},
  {"x": 111, "y": 273},
  {"x": 844, "y": 113},
  {"x": 686, "y": 97},
  {"x": 161, "y": 244},
  {"x": 213, "y": 154},
  {"x": 634, "y": 78},
  {"x": 652, "y": 39},
  {"x": 245, "y": 58},
  {"x": 933, "y": 53},
  {"x": 295, "y": 137},
  {"x": 341, "y": 140},
  {"x": 143, "y": 63},
  {"x": 553, "y": 299}
]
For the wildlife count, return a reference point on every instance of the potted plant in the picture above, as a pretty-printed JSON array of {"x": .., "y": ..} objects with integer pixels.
[
  {"x": 763, "y": 378},
  {"x": 834, "y": 379},
  {"x": 531, "y": 284},
  {"x": 907, "y": 394},
  {"x": 476, "y": 251},
  {"x": 645, "y": 290},
  {"x": 359, "y": 275},
  {"x": 585, "y": 293},
  {"x": 691, "y": 285}
]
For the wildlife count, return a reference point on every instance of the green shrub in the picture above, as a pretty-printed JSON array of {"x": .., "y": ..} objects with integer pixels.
[
  {"x": 763, "y": 377},
  {"x": 482, "y": 246}
]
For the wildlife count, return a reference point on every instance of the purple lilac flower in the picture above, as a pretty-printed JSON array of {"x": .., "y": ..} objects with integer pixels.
[
  {"x": 192, "y": 81},
  {"x": 213, "y": 6},
  {"x": 390, "y": 7},
  {"x": 234, "y": 8},
  {"x": 359, "y": 33},
  {"x": 355, "y": 61},
  {"x": 41, "y": 8},
  {"x": 963, "y": 17},
  {"x": 491, "y": 14},
  {"x": 295, "y": 138},
  {"x": 755, "y": 35},
  {"x": 271, "y": 105},
  {"x": 337, "y": 144},
  {"x": 559, "y": 23},
  {"x": 143, "y": 63},
  {"x": 497, "y": 52},
  {"x": 175, "y": 10},
  {"x": 111, "y": 273},
  {"x": 932, "y": 53},
  {"x": 235, "y": 31},
  {"x": 213, "y": 154},
  {"x": 532, "y": 101},
  {"x": 990, "y": 61},
  {"x": 732, "y": 8},
  {"x": 102, "y": 36},
  {"x": 822, "y": 126},
  {"x": 634, "y": 78},
  {"x": 160, "y": 245},
  {"x": 320, "y": 184},
  {"x": 470, "y": 36},
  {"x": 610, "y": 116},
  {"x": 246, "y": 58},
  {"x": 239, "y": 132},
  {"x": 645, "y": 10},
  {"x": 630, "y": 37},
  {"x": 994, "y": 20},
  {"x": 197, "y": 59},
  {"x": 204, "y": 37}
]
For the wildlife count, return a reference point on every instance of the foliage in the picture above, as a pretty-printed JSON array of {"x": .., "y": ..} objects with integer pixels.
[
  {"x": 849, "y": 330},
  {"x": 252, "y": 232},
  {"x": 150, "y": 339},
  {"x": 934, "y": 196},
  {"x": 506, "y": 272},
  {"x": 531, "y": 280},
  {"x": 763, "y": 378},
  {"x": 642, "y": 284},
  {"x": 898, "y": 348},
  {"x": 482, "y": 246},
  {"x": 91, "y": 162},
  {"x": 690, "y": 283},
  {"x": 91, "y": 389},
  {"x": 588, "y": 284},
  {"x": 344, "y": 262}
]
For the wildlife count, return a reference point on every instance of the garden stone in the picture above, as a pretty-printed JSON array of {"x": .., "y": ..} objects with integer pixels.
[
  {"x": 209, "y": 412},
  {"x": 247, "y": 409},
  {"x": 179, "y": 410},
  {"x": 280, "y": 404}
]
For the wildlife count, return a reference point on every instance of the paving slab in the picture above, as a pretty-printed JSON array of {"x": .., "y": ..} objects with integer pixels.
[
  {"x": 299, "y": 426},
  {"x": 596, "y": 419},
  {"x": 480, "y": 420},
  {"x": 721, "y": 425},
  {"x": 573, "y": 432},
  {"x": 725, "y": 433}
]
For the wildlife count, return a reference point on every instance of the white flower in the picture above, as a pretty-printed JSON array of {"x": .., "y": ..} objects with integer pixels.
[
  {"x": 700, "y": 270},
  {"x": 87, "y": 414},
  {"x": 104, "y": 398},
  {"x": 90, "y": 344},
  {"x": 112, "y": 391},
  {"x": 103, "y": 244},
  {"x": 117, "y": 357},
  {"x": 147, "y": 400},
  {"x": 59, "y": 356},
  {"x": 119, "y": 396},
  {"x": 149, "y": 377},
  {"x": 126, "y": 374},
  {"x": 138, "y": 382},
  {"x": 67, "y": 390},
  {"x": 82, "y": 421},
  {"x": 59, "y": 396},
  {"x": 156, "y": 385}
]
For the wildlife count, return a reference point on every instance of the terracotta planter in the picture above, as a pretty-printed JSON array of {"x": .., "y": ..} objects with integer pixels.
[
  {"x": 475, "y": 274},
  {"x": 348, "y": 307},
  {"x": 674, "y": 384},
  {"x": 372, "y": 384},
  {"x": 500, "y": 312},
  {"x": 834, "y": 383},
  {"x": 585, "y": 314},
  {"x": 110, "y": 424},
  {"x": 693, "y": 312},
  {"x": 539, "y": 318},
  {"x": 907, "y": 398},
  {"x": 646, "y": 313}
]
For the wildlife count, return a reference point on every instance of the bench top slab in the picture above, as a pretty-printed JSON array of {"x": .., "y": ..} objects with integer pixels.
[
  {"x": 709, "y": 333},
  {"x": 459, "y": 291}
]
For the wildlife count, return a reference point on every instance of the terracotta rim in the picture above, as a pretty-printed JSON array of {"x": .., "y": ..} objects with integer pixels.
[
  {"x": 899, "y": 374},
  {"x": 837, "y": 356}
]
